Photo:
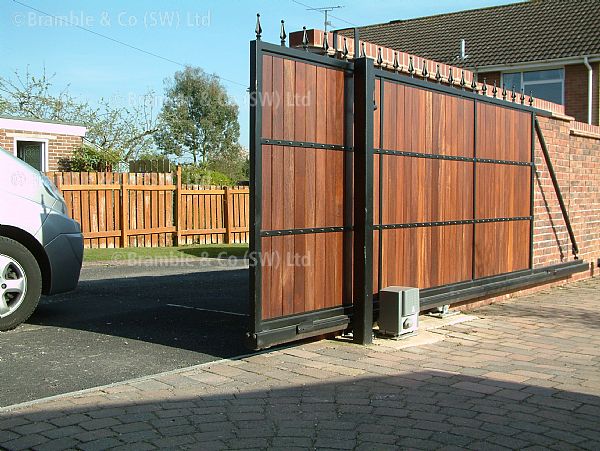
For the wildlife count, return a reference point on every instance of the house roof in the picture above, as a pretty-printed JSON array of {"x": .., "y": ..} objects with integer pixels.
[
  {"x": 25, "y": 124},
  {"x": 46, "y": 121},
  {"x": 536, "y": 30}
]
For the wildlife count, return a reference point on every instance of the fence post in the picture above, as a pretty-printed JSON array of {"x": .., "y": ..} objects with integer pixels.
[
  {"x": 178, "y": 208},
  {"x": 124, "y": 209},
  {"x": 228, "y": 216},
  {"x": 364, "y": 86}
]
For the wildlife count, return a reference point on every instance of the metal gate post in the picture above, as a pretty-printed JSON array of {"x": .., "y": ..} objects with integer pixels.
[
  {"x": 364, "y": 89},
  {"x": 255, "y": 191}
]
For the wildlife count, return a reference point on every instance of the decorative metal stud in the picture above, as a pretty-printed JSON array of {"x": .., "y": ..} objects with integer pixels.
[
  {"x": 411, "y": 67},
  {"x": 325, "y": 43},
  {"x": 451, "y": 77},
  {"x": 494, "y": 90},
  {"x": 473, "y": 83},
  {"x": 438, "y": 75},
  {"x": 484, "y": 88},
  {"x": 522, "y": 98},
  {"x": 463, "y": 82},
  {"x": 304, "y": 39},
  {"x": 258, "y": 29},
  {"x": 345, "y": 49},
  {"x": 396, "y": 64},
  {"x": 530, "y": 98},
  {"x": 282, "y": 34},
  {"x": 513, "y": 95},
  {"x": 363, "y": 50},
  {"x": 424, "y": 71},
  {"x": 504, "y": 93},
  {"x": 379, "y": 57}
]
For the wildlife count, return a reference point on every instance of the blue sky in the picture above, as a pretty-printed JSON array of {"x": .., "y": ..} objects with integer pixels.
[{"x": 211, "y": 34}]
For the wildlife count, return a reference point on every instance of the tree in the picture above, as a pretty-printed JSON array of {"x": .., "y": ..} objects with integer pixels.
[
  {"x": 198, "y": 119},
  {"x": 124, "y": 131}
]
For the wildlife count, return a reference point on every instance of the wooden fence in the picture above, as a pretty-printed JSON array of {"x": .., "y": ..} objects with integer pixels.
[{"x": 152, "y": 209}]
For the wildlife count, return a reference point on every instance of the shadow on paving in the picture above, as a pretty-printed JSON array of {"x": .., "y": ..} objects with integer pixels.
[
  {"x": 424, "y": 410},
  {"x": 203, "y": 312},
  {"x": 114, "y": 328}
]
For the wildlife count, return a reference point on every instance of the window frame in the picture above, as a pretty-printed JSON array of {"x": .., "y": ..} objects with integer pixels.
[
  {"x": 43, "y": 141},
  {"x": 539, "y": 82}
]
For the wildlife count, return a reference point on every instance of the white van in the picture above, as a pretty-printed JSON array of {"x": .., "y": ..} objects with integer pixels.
[{"x": 41, "y": 248}]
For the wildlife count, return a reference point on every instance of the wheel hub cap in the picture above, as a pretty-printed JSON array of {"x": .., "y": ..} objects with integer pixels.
[{"x": 13, "y": 285}]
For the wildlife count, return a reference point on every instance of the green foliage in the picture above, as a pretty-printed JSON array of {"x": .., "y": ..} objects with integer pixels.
[
  {"x": 90, "y": 159},
  {"x": 198, "y": 175},
  {"x": 198, "y": 120},
  {"x": 234, "y": 163}
]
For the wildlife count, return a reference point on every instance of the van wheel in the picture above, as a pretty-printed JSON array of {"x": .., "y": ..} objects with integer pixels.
[{"x": 20, "y": 283}]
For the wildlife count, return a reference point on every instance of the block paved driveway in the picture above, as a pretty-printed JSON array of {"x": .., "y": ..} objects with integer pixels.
[
  {"x": 127, "y": 321},
  {"x": 524, "y": 375}
]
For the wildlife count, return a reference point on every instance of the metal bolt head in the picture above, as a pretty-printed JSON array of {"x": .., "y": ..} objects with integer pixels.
[{"x": 3, "y": 286}]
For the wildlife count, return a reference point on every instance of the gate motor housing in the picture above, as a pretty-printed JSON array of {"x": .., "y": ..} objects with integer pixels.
[{"x": 398, "y": 311}]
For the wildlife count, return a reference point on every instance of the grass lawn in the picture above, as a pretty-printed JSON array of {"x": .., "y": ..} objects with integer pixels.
[{"x": 200, "y": 250}]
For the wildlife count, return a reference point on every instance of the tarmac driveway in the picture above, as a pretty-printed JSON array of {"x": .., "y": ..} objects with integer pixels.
[{"x": 124, "y": 322}]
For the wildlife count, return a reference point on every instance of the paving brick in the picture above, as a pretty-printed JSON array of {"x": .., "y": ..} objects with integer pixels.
[
  {"x": 26, "y": 442},
  {"x": 58, "y": 444},
  {"x": 477, "y": 386}
]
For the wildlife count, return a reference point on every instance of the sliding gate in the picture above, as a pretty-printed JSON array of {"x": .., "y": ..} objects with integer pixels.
[{"x": 362, "y": 178}]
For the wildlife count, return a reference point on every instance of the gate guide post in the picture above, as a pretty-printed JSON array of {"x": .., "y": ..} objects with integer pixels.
[{"x": 364, "y": 88}]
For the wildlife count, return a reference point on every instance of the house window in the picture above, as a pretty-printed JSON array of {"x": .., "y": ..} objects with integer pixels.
[
  {"x": 544, "y": 84},
  {"x": 32, "y": 153}
]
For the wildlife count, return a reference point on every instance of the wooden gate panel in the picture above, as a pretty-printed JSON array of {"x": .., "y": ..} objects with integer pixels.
[
  {"x": 426, "y": 190},
  {"x": 502, "y": 191},
  {"x": 503, "y": 133},
  {"x": 427, "y": 256},
  {"x": 501, "y": 247},
  {"x": 289, "y": 287},
  {"x": 301, "y": 226}
]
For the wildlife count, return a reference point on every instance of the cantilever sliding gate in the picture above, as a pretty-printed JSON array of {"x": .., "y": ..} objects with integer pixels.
[{"x": 362, "y": 178}]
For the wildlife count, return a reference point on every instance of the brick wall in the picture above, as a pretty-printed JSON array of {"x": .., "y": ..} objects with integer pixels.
[
  {"x": 576, "y": 158},
  {"x": 59, "y": 146}
]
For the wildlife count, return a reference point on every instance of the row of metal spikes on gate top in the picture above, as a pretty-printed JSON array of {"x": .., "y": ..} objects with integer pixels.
[{"x": 344, "y": 54}]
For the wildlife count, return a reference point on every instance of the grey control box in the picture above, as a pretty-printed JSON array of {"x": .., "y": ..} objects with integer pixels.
[{"x": 398, "y": 311}]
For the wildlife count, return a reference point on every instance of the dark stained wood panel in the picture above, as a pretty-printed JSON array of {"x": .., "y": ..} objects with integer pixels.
[
  {"x": 503, "y": 133},
  {"x": 502, "y": 191},
  {"x": 294, "y": 91},
  {"x": 285, "y": 290},
  {"x": 501, "y": 247},
  {"x": 426, "y": 257},
  {"x": 417, "y": 120},
  {"x": 426, "y": 190},
  {"x": 297, "y": 192}
]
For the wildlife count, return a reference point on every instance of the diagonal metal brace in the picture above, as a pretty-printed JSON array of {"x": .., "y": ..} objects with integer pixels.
[{"x": 563, "y": 209}]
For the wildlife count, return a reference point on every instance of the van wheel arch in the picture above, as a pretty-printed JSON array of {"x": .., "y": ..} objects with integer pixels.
[{"x": 33, "y": 246}]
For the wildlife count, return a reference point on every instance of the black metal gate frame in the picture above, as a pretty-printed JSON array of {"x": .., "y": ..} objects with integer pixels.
[
  {"x": 265, "y": 333},
  {"x": 360, "y": 88}
]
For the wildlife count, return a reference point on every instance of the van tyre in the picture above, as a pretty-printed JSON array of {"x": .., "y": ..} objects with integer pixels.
[{"x": 20, "y": 283}]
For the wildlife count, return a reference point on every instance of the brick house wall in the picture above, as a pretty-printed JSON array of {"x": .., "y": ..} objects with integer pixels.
[
  {"x": 61, "y": 139},
  {"x": 490, "y": 78},
  {"x": 576, "y": 92}
]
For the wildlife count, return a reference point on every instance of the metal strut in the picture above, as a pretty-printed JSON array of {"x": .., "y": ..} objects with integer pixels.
[{"x": 563, "y": 209}]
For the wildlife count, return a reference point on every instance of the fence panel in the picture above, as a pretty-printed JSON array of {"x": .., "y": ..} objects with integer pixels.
[{"x": 152, "y": 209}]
